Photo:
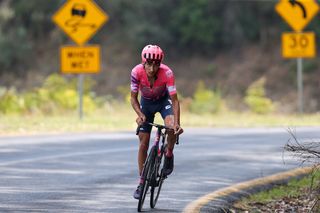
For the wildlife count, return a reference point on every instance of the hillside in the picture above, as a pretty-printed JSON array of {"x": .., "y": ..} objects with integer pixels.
[
  {"x": 226, "y": 44},
  {"x": 231, "y": 72}
]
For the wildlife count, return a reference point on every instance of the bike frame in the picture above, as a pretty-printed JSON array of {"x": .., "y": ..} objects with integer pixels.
[{"x": 152, "y": 165}]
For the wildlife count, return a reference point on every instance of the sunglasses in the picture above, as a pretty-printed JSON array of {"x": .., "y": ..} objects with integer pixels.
[{"x": 153, "y": 62}]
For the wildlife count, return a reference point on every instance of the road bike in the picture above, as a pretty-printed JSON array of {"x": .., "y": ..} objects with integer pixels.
[{"x": 152, "y": 173}]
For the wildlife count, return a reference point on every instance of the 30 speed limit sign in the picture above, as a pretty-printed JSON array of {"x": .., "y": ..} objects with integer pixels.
[{"x": 298, "y": 45}]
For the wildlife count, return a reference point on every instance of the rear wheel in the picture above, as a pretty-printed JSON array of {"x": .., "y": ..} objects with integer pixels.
[{"x": 146, "y": 175}]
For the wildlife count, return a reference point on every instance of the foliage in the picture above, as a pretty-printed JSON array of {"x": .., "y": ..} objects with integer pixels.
[
  {"x": 295, "y": 195},
  {"x": 22, "y": 24},
  {"x": 199, "y": 27},
  {"x": 205, "y": 100},
  {"x": 186, "y": 27},
  {"x": 125, "y": 93},
  {"x": 56, "y": 95},
  {"x": 9, "y": 101},
  {"x": 256, "y": 98}
]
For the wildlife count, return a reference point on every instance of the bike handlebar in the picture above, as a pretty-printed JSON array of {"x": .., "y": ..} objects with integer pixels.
[{"x": 159, "y": 126}]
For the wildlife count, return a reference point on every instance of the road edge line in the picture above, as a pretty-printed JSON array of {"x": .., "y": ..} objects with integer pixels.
[{"x": 195, "y": 206}]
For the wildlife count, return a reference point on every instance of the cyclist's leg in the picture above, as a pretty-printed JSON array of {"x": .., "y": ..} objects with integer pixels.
[
  {"x": 166, "y": 112},
  {"x": 169, "y": 120},
  {"x": 144, "y": 132},
  {"x": 144, "y": 138},
  {"x": 167, "y": 115}
]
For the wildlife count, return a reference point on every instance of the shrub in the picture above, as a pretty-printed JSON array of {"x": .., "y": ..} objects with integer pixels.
[
  {"x": 10, "y": 103},
  {"x": 56, "y": 95},
  {"x": 31, "y": 102},
  {"x": 125, "y": 93},
  {"x": 205, "y": 100},
  {"x": 256, "y": 98}
]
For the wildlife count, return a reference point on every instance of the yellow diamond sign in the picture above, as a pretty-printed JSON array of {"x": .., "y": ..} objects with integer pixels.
[
  {"x": 80, "y": 19},
  {"x": 297, "y": 13}
]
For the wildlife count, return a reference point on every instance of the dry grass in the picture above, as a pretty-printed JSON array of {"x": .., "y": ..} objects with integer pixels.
[{"x": 123, "y": 118}]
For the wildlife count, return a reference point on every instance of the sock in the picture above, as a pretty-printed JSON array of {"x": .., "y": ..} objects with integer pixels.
[
  {"x": 169, "y": 152},
  {"x": 141, "y": 180}
]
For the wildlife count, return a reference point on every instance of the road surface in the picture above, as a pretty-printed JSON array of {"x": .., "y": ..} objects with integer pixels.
[{"x": 98, "y": 172}]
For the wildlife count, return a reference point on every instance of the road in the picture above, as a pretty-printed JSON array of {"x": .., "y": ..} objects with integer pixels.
[{"x": 98, "y": 172}]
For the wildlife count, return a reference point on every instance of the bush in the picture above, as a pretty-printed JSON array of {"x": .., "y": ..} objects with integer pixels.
[
  {"x": 62, "y": 94},
  {"x": 205, "y": 100},
  {"x": 10, "y": 102},
  {"x": 125, "y": 93},
  {"x": 256, "y": 98},
  {"x": 55, "y": 96}
]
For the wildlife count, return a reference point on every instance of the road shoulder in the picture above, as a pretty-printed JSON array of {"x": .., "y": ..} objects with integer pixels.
[{"x": 220, "y": 200}]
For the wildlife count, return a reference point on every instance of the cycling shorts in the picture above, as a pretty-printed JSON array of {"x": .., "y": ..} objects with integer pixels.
[{"x": 150, "y": 107}]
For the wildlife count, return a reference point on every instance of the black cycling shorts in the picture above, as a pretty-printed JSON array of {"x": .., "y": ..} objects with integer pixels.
[{"x": 150, "y": 107}]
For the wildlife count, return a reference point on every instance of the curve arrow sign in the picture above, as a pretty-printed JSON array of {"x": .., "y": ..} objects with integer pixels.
[{"x": 294, "y": 3}]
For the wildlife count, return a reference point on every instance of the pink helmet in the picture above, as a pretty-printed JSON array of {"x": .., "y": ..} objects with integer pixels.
[{"x": 152, "y": 52}]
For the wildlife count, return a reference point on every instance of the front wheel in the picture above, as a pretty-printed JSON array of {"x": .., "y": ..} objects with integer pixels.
[
  {"x": 155, "y": 191},
  {"x": 146, "y": 175},
  {"x": 158, "y": 180}
]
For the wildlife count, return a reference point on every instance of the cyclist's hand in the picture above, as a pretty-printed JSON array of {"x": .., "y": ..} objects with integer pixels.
[
  {"x": 177, "y": 129},
  {"x": 141, "y": 119}
]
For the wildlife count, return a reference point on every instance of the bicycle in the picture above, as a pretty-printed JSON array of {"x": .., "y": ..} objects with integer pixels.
[{"x": 152, "y": 173}]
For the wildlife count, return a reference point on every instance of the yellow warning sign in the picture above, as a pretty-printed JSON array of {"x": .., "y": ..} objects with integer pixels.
[
  {"x": 298, "y": 45},
  {"x": 80, "y": 19},
  {"x": 76, "y": 60},
  {"x": 297, "y": 13}
]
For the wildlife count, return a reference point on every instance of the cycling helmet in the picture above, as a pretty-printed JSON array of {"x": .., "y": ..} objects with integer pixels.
[{"x": 152, "y": 52}]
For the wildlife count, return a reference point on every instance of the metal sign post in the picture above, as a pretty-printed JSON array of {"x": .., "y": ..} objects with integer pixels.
[
  {"x": 300, "y": 84},
  {"x": 80, "y": 92}
]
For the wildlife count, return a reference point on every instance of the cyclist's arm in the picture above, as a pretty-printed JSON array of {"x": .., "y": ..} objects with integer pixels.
[
  {"x": 136, "y": 106},
  {"x": 176, "y": 109}
]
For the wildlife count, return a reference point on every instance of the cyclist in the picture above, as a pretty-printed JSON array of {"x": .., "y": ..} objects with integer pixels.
[{"x": 155, "y": 81}]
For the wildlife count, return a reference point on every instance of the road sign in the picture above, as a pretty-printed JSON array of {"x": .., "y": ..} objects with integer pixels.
[
  {"x": 75, "y": 60},
  {"x": 297, "y": 13},
  {"x": 298, "y": 45},
  {"x": 80, "y": 19}
]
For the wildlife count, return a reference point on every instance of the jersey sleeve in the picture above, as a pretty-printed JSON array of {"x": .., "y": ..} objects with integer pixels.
[
  {"x": 134, "y": 81},
  {"x": 171, "y": 82}
]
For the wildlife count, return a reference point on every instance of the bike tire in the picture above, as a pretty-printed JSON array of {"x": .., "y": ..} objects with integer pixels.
[
  {"x": 155, "y": 192},
  {"x": 147, "y": 172},
  {"x": 159, "y": 178}
]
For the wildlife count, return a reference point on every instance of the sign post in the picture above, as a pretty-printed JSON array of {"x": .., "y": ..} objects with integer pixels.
[
  {"x": 80, "y": 20},
  {"x": 298, "y": 13},
  {"x": 80, "y": 92}
]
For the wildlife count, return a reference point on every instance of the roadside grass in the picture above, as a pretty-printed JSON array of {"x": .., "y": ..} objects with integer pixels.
[
  {"x": 294, "y": 188},
  {"x": 247, "y": 119},
  {"x": 122, "y": 118}
]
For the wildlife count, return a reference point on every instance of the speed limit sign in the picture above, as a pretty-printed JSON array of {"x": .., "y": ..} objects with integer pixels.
[{"x": 298, "y": 45}]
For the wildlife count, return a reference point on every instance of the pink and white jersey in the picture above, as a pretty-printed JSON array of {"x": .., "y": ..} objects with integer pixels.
[{"x": 164, "y": 82}]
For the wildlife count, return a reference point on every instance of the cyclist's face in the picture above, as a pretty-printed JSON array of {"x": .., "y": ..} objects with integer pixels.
[{"x": 152, "y": 67}]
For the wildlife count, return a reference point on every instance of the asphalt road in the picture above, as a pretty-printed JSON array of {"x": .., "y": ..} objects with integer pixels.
[{"x": 98, "y": 172}]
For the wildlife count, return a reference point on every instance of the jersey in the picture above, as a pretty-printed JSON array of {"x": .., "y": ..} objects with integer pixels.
[{"x": 163, "y": 84}]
